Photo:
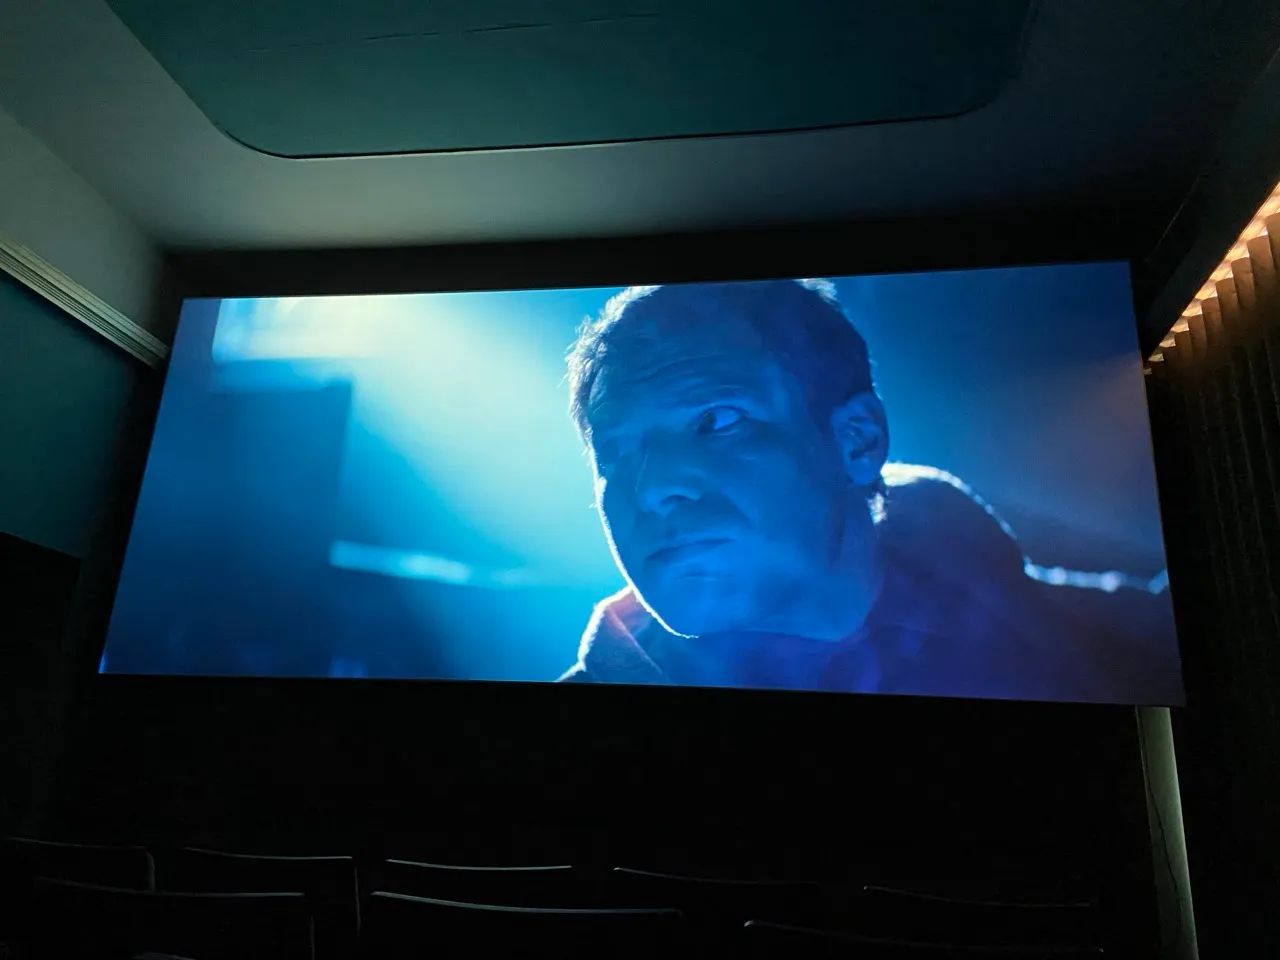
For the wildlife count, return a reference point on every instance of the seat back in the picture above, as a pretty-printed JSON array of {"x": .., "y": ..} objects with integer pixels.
[
  {"x": 117, "y": 866},
  {"x": 89, "y": 921},
  {"x": 718, "y": 900},
  {"x": 329, "y": 883},
  {"x": 215, "y": 871},
  {"x": 544, "y": 886},
  {"x": 399, "y": 927}
]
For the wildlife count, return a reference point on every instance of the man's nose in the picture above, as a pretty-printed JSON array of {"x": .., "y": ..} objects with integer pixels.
[{"x": 666, "y": 480}]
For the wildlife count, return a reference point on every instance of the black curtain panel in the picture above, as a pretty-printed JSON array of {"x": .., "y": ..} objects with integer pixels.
[{"x": 1215, "y": 413}]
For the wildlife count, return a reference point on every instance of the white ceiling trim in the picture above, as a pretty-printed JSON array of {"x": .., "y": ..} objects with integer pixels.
[{"x": 95, "y": 313}]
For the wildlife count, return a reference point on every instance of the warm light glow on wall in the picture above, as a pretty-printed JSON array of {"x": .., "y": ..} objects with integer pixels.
[{"x": 1256, "y": 227}]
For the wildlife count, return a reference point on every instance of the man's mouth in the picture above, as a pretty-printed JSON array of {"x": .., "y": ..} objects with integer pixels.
[{"x": 686, "y": 549}]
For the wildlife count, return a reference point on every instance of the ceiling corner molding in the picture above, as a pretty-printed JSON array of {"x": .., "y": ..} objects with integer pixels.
[{"x": 63, "y": 292}]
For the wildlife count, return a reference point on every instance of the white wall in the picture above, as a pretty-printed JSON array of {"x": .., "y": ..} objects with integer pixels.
[{"x": 49, "y": 208}]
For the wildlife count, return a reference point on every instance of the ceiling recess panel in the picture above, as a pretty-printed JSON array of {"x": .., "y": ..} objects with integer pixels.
[{"x": 327, "y": 78}]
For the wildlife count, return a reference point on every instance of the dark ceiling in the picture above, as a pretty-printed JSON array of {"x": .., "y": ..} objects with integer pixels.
[
  {"x": 335, "y": 78},
  {"x": 1111, "y": 115}
]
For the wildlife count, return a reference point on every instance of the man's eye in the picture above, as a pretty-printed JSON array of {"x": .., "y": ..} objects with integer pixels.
[{"x": 719, "y": 419}]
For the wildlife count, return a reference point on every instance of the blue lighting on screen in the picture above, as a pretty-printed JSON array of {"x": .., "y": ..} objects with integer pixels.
[
  {"x": 424, "y": 566},
  {"x": 391, "y": 486},
  {"x": 1108, "y": 581}
]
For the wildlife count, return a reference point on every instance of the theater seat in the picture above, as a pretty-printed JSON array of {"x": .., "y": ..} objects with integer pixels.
[
  {"x": 116, "y": 866},
  {"x": 720, "y": 900},
  {"x": 329, "y": 883},
  {"x": 92, "y": 922},
  {"x": 540, "y": 886},
  {"x": 22, "y": 859},
  {"x": 399, "y": 927}
]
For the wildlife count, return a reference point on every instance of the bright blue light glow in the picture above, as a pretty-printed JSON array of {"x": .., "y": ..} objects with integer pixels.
[
  {"x": 424, "y": 566},
  {"x": 1108, "y": 581},
  {"x": 460, "y": 394}
]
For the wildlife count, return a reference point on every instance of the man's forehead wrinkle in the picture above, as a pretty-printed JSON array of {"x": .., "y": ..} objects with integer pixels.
[
  {"x": 613, "y": 401},
  {"x": 675, "y": 352},
  {"x": 673, "y": 373}
]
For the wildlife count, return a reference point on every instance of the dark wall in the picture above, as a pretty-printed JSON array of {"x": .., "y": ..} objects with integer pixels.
[
  {"x": 932, "y": 243},
  {"x": 65, "y": 396},
  {"x": 992, "y": 797},
  {"x": 37, "y": 587},
  {"x": 67, "y": 400}
]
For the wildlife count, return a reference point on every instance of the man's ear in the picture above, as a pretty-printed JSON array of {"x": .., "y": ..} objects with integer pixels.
[{"x": 862, "y": 434}]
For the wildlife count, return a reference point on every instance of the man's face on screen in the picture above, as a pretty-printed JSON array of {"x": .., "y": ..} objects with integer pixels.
[{"x": 722, "y": 496}]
